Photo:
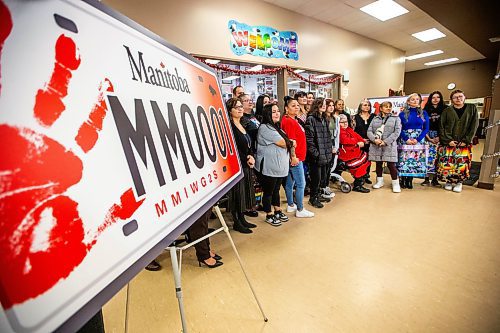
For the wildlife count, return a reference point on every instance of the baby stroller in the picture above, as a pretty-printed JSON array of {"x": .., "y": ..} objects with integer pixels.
[{"x": 338, "y": 166}]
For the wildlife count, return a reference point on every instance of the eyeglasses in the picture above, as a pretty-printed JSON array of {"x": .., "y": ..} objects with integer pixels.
[
  {"x": 238, "y": 107},
  {"x": 343, "y": 121},
  {"x": 458, "y": 97}
]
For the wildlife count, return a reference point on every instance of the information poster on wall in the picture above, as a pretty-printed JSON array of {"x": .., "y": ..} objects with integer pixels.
[{"x": 112, "y": 143}]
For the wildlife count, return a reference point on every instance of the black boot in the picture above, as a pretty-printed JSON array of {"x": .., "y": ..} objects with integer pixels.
[
  {"x": 358, "y": 186},
  {"x": 425, "y": 182},
  {"x": 238, "y": 226},
  {"x": 367, "y": 179},
  {"x": 435, "y": 182},
  {"x": 402, "y": 182},
  {"x": 409, "y": 182},
  {"x": 314, "y": 201},
  {"x": 245, "y": 222}
]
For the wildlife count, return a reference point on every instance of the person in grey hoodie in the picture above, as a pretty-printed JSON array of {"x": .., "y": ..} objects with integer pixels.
[{"x": 272, "y": 162}]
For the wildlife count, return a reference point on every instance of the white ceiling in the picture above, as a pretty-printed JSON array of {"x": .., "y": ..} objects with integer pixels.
[{"x": 396, "y": 32}]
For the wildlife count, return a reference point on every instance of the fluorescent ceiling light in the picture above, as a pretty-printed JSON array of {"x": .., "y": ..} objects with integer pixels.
[
  {"x": 230, "y": 78},
  {"x": 440, "y": 61},
  {"x": 428, "y": 35},
  {"x": 212, "y": 61},
  {"x": 255, "y": 68},
  {"x": 384, "y": 9},
  {"x": 299, "y": 71},
  {"x": 294, "y": 82},
  {"x": 322, "y": 76},
  {"x": 423, "y": 55}
]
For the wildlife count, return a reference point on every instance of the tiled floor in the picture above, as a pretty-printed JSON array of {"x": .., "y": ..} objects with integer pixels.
[{"x": 425, "y": 260}]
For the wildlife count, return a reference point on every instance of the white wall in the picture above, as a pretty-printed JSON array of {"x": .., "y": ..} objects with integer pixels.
[{"x": 200, "y": 27}]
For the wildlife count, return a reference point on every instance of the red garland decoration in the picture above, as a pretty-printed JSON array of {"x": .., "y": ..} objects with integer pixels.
[{"x": 273, "y": 70}]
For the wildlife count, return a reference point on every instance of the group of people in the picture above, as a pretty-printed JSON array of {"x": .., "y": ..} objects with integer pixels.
[
  {"x": 297, "y": 148},
  {"x": 300, "y": 148}
]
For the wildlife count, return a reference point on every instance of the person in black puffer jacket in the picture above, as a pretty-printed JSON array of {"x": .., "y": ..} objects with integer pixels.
[{"x": 319, "y": 149}]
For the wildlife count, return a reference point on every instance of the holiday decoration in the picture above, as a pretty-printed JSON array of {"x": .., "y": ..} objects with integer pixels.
[{"x": 226, "y": 68}]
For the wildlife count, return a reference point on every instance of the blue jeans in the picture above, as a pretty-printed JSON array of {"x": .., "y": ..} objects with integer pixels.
[{"x": 296, "y": 177}]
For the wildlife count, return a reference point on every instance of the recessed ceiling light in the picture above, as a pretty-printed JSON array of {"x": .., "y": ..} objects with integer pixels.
[
  {"x": 384, "y": 9},
  {"x": 230, "y": 78},
  {"x": 423, "y": 55},
  {"x": 212, "y": 61},
  {"x": 299, "y": 71},
  {"x": 428, "y": 35},
  {"x": 440, "y": 61},
  {"x": 322, "y": 76}
]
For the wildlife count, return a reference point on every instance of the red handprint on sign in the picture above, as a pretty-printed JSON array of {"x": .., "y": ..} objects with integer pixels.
[{"x": 42, "y": 237}]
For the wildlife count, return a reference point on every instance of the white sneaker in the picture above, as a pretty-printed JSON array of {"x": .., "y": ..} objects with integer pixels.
[
  {"x": 448, "y": 187},
  {"x": 379, "y": 183},
  {"x": 326, "y": 192},
  {"x": 272, "y": 220},
  {"x": 304, "y": 213},
  {"x": 291, "y": 209},
  {"x": 395, "y": 186},
  {"x": 458, "y": 188}
]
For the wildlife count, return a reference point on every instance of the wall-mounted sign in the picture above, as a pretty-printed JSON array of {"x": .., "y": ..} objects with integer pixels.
[{"x": 262, "y": 41}]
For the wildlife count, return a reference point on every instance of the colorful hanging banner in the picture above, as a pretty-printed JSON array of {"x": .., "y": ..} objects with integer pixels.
[{"x": 262, "y": 41}]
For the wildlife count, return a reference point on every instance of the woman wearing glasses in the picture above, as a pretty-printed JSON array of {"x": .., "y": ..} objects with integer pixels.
[
  {"x": 350, "y": 152},
  {"x": 242, "y": 196},
  {"x": 458, "y": 125}
]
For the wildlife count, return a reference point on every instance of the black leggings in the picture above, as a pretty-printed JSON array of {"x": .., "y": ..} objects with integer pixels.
[
  {"x": 318, "y": 174},
  {"x": 271, "y": 192},
  {"x": 392, "y": 169}
]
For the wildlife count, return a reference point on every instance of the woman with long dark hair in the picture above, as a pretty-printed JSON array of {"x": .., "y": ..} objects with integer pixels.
[
  {"x": 272, "y": 162},
  {"x": 295, "y": 177},
  {"x": 319, "y": 149},
  {"x": 434, "y": 107},
  {"x": 259, "y": 105},
  {"x": 414, "y": 128},
  {"x": 301, "y": 97},
  {"x": 242, "y": 196},
  {"x": 362, "y": 120}
]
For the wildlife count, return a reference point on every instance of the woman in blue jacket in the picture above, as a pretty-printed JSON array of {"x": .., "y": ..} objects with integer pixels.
[{"x": 414, "y": 128}]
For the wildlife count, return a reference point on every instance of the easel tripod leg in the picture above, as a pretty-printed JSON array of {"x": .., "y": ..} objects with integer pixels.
[
  {"x": 178, "y": 288},
  {"x": 226, "y": 230}
]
